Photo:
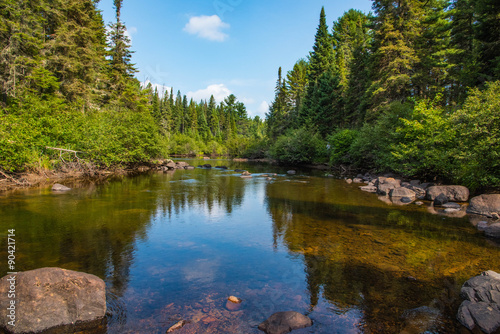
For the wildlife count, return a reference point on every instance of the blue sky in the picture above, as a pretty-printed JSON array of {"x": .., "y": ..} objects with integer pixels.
[{"x": 219, "y": 47}]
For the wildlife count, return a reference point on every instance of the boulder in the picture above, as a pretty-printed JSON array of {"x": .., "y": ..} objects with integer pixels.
[
  {"x": 50, "y": 297},
  {"x": 481, "y": 305},
  {"x": 181, "y": 164},
  {"x": 59, "y": 187},
  {"x": 207, "y": 166},
  {"x": 415, "y": 183},
  {"x": 492, "y": 230},
  {"x": 285, "y": 322},
  {"x": 170, "y": 165},
  {"x": 453, "y": 193},
  {"x": 291, "y": 172},
  {"x": 386, "y": 184},
  {"x": 246, "y": 173},
  {"x": 486, "y": 205},
  {"x": 440, "y": 200},
  {"x": 402, "y": 192}
]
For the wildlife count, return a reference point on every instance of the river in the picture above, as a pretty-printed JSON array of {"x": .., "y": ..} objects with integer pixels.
[{"x": 175, "y": 245}]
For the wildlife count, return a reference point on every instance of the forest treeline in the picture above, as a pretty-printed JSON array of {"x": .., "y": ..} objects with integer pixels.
[
  {"x": 67, "y": 81},
  {"x": 412, "y": 88}
]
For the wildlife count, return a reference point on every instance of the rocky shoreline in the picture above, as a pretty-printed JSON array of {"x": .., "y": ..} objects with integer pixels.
[{"x": 449, "y": 200}]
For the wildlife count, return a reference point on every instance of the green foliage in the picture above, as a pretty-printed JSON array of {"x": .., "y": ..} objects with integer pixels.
[
  {"x": 372, "y": 147},
  {"x": 340, "y": 144},
  {"x": 425, "y": 143},
  {"x": 477, "y": 142},
  {"x": 298, "y": 146}
]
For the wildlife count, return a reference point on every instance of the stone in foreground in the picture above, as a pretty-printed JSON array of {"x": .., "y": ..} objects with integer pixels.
[
  {"x": 481, "y": 307},
  {"x": 50, "y": 297},
  {"x": 285, "y": 322}
]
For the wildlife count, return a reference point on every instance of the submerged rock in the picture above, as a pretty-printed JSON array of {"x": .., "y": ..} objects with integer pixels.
[
  {"x": 50, "y": 297},
  {"x": 422, "y": 320},
  {"x": 492, "y": 230},
  {"x": 370, "y": 189},
  {"x": 233, "y": 303},
  {"x": 402, "y": 192},
  {"x": 481, "y": 305},
  {"x": 291, "y": 172},
  {"x": 177, "y": 326},
  {"x": 285, "y": 322},
  {"x": 60, "y": 187},
  {"x": 441, "y": 199}
]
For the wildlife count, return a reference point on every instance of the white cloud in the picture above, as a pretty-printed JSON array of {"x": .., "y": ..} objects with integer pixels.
[
  {"x": 263, "y": 109},
  {"x": 247, "y": 100},
  {"x": 219, "y": 91},
  {"x": 161, "y": 88},
  {"x": 129, "y": 32},
  {"x": 208, "y": 27}
]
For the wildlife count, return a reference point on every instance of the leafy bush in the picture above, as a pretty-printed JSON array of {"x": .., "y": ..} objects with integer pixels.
[
  {"x": 340, "y": 144},
  {"x": 425, "y": 143},
  {"x": 477, "y": 141},
  {"x": 371, "y": 148},
  {"x": 299, "y": 146}
]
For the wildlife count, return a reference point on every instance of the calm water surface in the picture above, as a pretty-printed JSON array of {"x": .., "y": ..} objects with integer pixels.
[{"x": 174, "y": 246}]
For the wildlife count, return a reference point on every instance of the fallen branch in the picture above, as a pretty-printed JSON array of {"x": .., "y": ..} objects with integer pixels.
[
  {"x": 10, "y": 178},
  {"x": 61, "y": 150}
]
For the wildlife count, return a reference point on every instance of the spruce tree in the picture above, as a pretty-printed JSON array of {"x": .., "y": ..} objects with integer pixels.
[
  {"x": 397, "y": 28},
  {"x": 296, "y": 81}
]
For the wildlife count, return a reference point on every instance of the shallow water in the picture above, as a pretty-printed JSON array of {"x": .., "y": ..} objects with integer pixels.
[{"x": 174, "y": 246}]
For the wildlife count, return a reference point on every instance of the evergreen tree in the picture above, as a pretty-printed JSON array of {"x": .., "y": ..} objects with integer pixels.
[
  {"x": 321, "y": 60},
  {"x": 296, "y": 87},
  {"x": 397, "y": 28},
  {"x": 277, "y": 121},
  {"x": 351, "y": 40},
  {"x": 120, "y": 58},
  {"x": 213, "y": 117}
]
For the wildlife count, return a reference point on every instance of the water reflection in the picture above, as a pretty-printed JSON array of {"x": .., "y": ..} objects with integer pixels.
[{"x": 174, "y": 246}]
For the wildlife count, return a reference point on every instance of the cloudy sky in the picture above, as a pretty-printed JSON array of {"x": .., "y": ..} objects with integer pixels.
[{"x": 219, "y": 47}]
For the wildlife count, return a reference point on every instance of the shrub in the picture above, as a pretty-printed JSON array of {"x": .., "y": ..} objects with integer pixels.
[
  {"x": 299, "y": 146},
  {"x": 340, "y": 145}
]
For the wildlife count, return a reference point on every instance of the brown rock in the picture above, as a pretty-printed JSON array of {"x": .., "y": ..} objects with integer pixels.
[
  {"x": 486, "y": 205},
  {"x": 453, "y": 193},
  {"x": 50, "y": 297}
]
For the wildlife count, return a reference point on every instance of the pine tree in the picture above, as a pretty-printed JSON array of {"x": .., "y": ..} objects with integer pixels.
[
  {"x": 351, "y": 39},
  {"x": 397, "y": 28},
  {"x": 277, "y": 117},
  {"x": 213, "y": 117},
  {"x": 321, "y": 60},
  {"x": 120, "y": 61},
  {"x": 296, "y": 87}
]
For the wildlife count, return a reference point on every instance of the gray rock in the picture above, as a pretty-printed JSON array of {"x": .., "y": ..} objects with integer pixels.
[
  {"x": 486, "y": 205},
  {"x": 453, "y": 193},
  {"x": 291, "y": 172},
  {"x": 440, "y": 200},
  {"x": 370, "y": 189},
  {"x": 181, "y": 164},
  {"x": 59, "y": 187},
  {"x": 402, "y": 192},
  {"x": 406, "y": 200},
  {"x": 482, "y": 225},
  {"x": 492, "y": 230},
  {"x": 358, "y": 180},
  {"x": 481, "y": 305},
  {"x": 50, "y": 297},
  {"x": 419, "y": 192},
  {"x": 170, "y": 165},
  {"x": 415, "y": 183},
  {"x": 285, "y": 322}
]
